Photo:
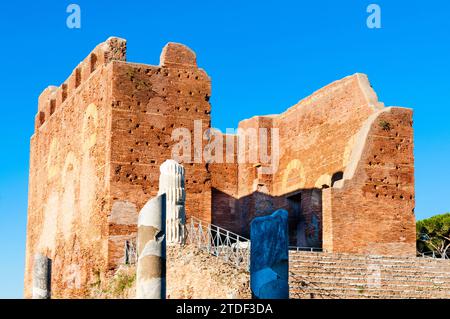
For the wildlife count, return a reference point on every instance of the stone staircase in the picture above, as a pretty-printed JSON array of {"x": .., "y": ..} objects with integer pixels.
[{"x": 343, "y": 276}]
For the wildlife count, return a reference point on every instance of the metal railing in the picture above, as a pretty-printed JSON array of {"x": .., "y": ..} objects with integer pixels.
[
  {"x": 130, "y": 256},
  {"x": 215, "y": 240},
  {"x": 432, "y": 254},
  {"x": 219, "y": 242},
  {"x": 310, "y": 249}
]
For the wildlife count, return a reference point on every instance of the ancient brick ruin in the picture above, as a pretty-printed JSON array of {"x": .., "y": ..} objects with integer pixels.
[{"x": 345, "y": 171}]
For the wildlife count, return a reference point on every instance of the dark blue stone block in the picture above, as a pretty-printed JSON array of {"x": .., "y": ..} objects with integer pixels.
[{"x": 269, "y": 256}]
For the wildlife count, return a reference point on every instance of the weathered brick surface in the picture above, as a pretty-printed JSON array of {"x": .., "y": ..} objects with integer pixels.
[
  {"x": 68, "y": 174},
  {"x": 373, "y": 210},
  {"x": 95, "y": 155},
  {"x": 147, "y": 104},
  {"x": 320, "y": 138},
  {"x": 101, "y": 136},
  {"x": 350, "y": 276}
]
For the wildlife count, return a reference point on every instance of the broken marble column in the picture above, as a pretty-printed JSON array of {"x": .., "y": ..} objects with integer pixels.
[
  {"x": 269, "y": 256},
  {"x": 42, "y": 271},
  {"x": 171, "y": 183},
  {"x": 151, "y": 247}
]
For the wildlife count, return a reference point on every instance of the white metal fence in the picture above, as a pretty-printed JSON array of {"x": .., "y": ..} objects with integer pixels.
[
  {"x": 219, "y": 242},
  {"x": 215, "y": 240},
  {"x": 432, "y": 254},
  {"x": 310, "y": 249}
]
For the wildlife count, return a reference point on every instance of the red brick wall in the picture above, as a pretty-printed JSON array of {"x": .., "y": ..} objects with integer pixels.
[
  {"x": 373, "y": 212},
  {"x": 148, "y": 103},
  {"x": 68, "y": 174},
  {"x": 101, "y": 136},
  {"x": 94, "y": 162},
  {"x": 224, "y": 183},
  {"x": 318, "y": 138}
]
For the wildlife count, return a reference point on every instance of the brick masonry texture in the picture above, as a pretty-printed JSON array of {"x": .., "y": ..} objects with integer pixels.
[
  {"x": 351, "y": 276},
  {"x": 95, "y": 155},
  {"x": 345, "y": 174}
]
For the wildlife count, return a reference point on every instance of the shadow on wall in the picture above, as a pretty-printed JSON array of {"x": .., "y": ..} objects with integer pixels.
[{"x": 304, "y": 208}]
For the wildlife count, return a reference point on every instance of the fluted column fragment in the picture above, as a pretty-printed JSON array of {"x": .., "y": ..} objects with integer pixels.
[{"x": 171, "y": 183}]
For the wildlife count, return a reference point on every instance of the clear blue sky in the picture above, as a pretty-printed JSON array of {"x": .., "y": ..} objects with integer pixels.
[{"x": 262, "y": 57}]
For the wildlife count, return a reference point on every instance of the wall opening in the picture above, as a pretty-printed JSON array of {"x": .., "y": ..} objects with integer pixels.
[
  {"x": 336, "y": 177},
  {"x": 296, "y": 230}
]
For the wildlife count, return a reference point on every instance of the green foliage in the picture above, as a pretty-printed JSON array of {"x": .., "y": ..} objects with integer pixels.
[
  {"x": 117, "y": 285},
  {"x": 433, "y": 234},
  {"x": 386, "y": 126},
  {"x": 122, "y": 282}
]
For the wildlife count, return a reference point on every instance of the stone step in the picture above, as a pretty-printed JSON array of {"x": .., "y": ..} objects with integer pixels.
[
  {"x": 387, "y": 259},
  {"x": 323, "y": 275},
  {"x": 342, "y": 272},
  {"x": 443, "y": 266},
  {"x": 390, "y": 292},
  {"x": 335, "y": 294},
  {"x": 416, "y": 260},
  {"x": 349, "y": 269},
  {"x": 298, "y": 264},
  {"x": 361, "y": 275},
  {"x": 304, "y": 282},
  {"x": 315, "y": 254},
  {"x": 363, "y": 294},
  {"x": 442, "y": 263},
  {"x": 385, "y": 281},
  {"x": 397, "y": 276}
]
